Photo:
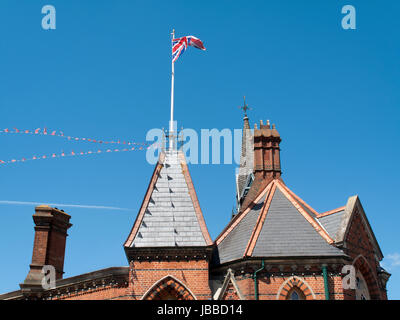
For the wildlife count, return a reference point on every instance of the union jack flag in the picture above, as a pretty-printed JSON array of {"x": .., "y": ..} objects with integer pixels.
[{"x": 179, "y": 45}]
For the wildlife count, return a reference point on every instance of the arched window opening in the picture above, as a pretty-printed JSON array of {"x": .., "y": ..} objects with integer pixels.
[
  {"x": 168, "y": 288},
  {"x": 295, "y": 294},
  {"x": 167, "y": 293},
  {"x": 362, "y": 292}
]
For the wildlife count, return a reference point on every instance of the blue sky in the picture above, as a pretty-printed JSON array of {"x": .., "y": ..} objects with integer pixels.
[{"x": 105, "y": 73}]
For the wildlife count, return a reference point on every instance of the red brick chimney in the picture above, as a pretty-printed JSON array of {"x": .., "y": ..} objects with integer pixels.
[
  {"x": 51, "y": 227},
  {"x": 267, "y": 162}
]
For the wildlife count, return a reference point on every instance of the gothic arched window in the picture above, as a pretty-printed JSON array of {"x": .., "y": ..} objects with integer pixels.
[
  {"x": 295, "y": 294},
  {"x": 362, "y": 292}
]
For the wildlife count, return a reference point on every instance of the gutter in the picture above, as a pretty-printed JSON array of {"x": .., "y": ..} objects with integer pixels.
[
  {"x": 255, "y": 280},
  {"x": 326, "y": 285}
]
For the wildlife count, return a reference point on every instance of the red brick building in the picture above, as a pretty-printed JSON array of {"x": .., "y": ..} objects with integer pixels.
[{"x": 276, "y": 246}]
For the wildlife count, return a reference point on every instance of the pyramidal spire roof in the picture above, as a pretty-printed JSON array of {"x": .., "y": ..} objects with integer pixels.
[
  {"x": 170, "y": 215},
  {"x": 243, "y": 177},
  {"x": 276, "y": 224}
]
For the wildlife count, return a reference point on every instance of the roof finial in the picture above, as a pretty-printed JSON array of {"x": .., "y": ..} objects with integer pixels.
[{"x": 245, "y": 107}]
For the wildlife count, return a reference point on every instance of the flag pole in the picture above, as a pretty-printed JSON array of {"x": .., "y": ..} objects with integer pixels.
[{"x": 171, "y": 124}]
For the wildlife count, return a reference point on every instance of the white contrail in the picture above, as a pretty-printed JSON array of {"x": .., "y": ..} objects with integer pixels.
[{"x": 62, "y": 205}]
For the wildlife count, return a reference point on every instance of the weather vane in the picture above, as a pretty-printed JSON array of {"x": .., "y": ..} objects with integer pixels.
[{"x": 245, "y": 107}]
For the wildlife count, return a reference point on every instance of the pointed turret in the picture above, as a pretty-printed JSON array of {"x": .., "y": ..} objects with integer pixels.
[
  {"x": 170, "y": 215},
  {"x": 244, "y": 176},
  {"x": 169, "y": 247}
]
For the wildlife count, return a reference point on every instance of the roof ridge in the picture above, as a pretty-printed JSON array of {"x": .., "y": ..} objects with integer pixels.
[
  {"x": 260, "y": 222},
  {"x": 298, "y": 199},
  {"x": 146, "y": 200},
  {"x": 316, "y": 224},
  {"x": 235, "y": 221},
  {"x": 327, "y": 213}
]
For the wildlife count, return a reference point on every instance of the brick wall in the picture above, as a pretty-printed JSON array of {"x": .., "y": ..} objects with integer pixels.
[
  {"x": 360, "y": 249},
  {"x": 311, "y": 286},
  {"x": 278, "y": 281},
  {"x": 192, "y": 274},
  {"x": 187, "y": 279},
  {"x": 56, "y": 251}
]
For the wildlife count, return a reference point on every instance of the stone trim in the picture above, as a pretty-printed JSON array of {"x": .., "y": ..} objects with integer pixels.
[
  {"x": 229, "y": 278},
  {"x": 353, "y": 207},
  {"x": 169, "y": 253},
  {"x": 327, "y": 213},
  {"x": 297, "y": 198}
]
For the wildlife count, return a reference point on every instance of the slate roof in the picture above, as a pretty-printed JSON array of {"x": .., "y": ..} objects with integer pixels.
[
  {"x": 234, "y": 245},
  {"x": 170, "y": 215},
  {"x": 279, "y": 224},
  {"x": 287, "y": 233},
  {"x": 332, "y": 222}
]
